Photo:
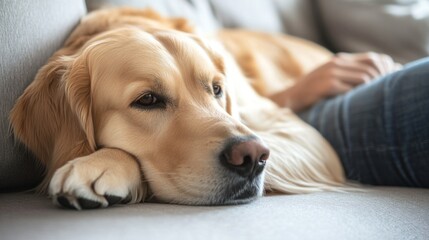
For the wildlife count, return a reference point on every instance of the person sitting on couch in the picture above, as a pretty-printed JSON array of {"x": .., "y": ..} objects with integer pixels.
[{"x": 374, "y": 113}]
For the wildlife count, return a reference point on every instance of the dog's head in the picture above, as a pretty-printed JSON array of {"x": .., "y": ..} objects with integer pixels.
[{"x": 162, "y": 95}]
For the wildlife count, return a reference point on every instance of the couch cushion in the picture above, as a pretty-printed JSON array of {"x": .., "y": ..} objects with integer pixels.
[
  {"x": 300, "y": 18},
  {"x": 399, "y": 28},
  {"x": 261, "y": 15},
  {"x": 197, "y": 11},
  {"x": 379, "y": 213},
  {"x": 30, "y": 32},
  {"x": 294, "y": 17}
]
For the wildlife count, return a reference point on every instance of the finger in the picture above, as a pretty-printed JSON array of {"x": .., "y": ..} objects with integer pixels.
[
  {"x": 369, "y": 58},
  {"x": 350, "y": 64},
  {"x": 398, "y": 66},
  {"x": 353, "y": 78},
  {"x": 388, "y": 63}
]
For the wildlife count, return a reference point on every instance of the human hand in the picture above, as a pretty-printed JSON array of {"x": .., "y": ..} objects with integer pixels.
[{"x": 342, "y": 73}]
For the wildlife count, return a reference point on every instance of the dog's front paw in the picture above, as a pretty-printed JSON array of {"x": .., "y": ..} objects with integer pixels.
[{"x": 96, "y": 181}]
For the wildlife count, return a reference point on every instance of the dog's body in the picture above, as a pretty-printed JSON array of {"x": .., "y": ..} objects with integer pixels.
[{"x": 137, "y": 106}]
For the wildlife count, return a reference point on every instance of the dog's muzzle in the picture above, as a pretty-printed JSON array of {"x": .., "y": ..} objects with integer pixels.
[{"x": 243, "y": 159}]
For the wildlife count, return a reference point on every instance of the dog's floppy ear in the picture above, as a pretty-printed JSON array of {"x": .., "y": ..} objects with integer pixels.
[
  {"x": 53, "y": 116},
  {"x": 77, "y": 87}
]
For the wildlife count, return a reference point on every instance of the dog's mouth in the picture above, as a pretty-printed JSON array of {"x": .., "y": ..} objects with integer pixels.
[{"x": 241, "y": 192}]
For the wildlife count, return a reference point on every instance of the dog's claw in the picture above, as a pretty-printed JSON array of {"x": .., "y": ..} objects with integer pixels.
[
  {"x": 127, "y": 199},
  {"x": 63, "y": 201},
  {"x": 88, "y": 204},
  {"x": 94, "y": 182},
  {"x": 112, "y": 200},
  {"x": 70, "y": 202}
]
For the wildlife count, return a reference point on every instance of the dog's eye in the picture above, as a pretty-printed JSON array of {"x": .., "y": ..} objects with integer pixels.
[
  {"x": 217, "y": 90},
  {"x": 149, "y": 101}
]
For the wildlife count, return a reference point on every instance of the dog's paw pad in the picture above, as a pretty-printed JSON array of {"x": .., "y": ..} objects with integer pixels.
[
  {"x": 88, "y": 204},
  {"x": 63, "y": 201},
  {"x": 112, "y": 200}
]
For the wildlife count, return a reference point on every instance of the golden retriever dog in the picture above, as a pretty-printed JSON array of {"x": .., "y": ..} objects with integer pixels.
[{"x": 138, "y": 107}]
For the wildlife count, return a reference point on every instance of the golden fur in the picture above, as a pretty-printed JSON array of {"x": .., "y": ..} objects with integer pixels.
[{"x": 76, "y": 116}]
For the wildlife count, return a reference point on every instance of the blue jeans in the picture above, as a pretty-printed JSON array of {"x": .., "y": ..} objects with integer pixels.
[{"x": 381, "y": 130}]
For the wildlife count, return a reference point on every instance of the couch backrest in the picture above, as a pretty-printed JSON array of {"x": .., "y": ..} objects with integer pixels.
[{"x": 30, "y": 32}]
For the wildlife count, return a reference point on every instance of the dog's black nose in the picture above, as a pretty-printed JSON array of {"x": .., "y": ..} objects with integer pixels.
[{"x": 245, "y": 156}]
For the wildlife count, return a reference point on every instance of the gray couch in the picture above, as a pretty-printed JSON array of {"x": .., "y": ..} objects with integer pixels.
[{"x": 30, "y": 31}]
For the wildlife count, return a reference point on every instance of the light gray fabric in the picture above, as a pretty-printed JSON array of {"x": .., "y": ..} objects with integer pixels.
[
  {"x": 261, "y": 15},
  {"x": 294, "y": 17},
  {"x": 197, "y": 11},
  {"x": 380, "y": 213},
  {"x": 399, "y": 28},
  {"x": 30, "y": 32},
  {"x": 300, "y": 19}
]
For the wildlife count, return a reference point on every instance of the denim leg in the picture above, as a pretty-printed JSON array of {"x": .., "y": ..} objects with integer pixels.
[{"x": 381, "y": 130}]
